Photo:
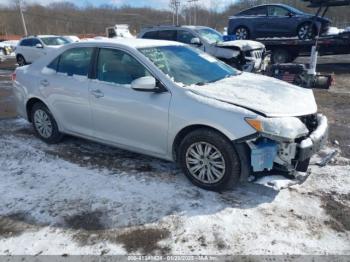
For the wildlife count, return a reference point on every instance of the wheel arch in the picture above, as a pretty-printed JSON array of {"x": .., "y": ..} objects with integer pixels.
[
  {"x": 29, "y": 106},
  {"x": 185, "y": 131}
]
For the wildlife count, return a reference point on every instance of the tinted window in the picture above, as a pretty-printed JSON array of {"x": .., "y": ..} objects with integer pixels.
[
  {"x": 54, "y": 64},
  {"x": 278, "y": 11},
  {"x": 257, "y": 11},
  {"x": 184, "y": 36},
  {"x": 35, "y": 42},
  {"x": 118, "y": 67},
  {"x": 75, "y": 61},
  {"x": 26, "y": 42},
  {"x": 167, "y": 35},
  {"x": 151, "y": 35}
]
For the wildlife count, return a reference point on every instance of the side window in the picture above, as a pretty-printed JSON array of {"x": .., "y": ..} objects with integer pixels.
[
  {"x": 118, "y": 67},
  {"x": 257, "y": 11},
  {"x": 184, "y": 36},
  {"x": 54, "y": 64},
  {"x": 167, "y": 35},
  {"x": 34, "y": 42},
  {"x": 75, "y": 61},
  {"x": 26, "y": 42},
  {"x": 151, "y": 35},
  {"x": 277, "y": 11}
]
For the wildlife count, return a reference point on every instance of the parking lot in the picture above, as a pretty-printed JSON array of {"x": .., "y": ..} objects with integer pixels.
[{"x": 79, "y": 197}]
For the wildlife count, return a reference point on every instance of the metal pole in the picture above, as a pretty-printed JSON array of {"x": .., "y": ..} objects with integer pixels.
[
  {"x": 177, "y": 4},
  {"x": 194, "y": 10},
  {"x": 22, "y": 18}
]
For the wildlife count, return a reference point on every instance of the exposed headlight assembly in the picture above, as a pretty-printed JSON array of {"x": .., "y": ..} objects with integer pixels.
[{"x": 285, "y": 128}]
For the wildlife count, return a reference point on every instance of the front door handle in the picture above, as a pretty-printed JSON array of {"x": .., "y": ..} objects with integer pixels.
[
  {"x": 97, "y": 93},
  {"x": 44, "y": 82}
]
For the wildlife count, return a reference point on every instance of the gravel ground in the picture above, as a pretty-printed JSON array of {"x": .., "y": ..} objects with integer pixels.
[{"x": 80, "y": 197}]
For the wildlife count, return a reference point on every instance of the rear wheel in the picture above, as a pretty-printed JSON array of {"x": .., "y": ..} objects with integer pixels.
[
  {"x": 21, "y": 61},
  {"x": 44, "y": 124},
  {"x": 209, "y": 160},
  {"x": 242, "y": 33}
]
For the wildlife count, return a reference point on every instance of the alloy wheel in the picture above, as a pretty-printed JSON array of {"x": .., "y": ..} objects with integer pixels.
[
  {"x": 43, "y": 123},
  {"x": 305, "y": 32},
  {"x": 205, "y": 163},
  {"x": 241, "y": 33}
]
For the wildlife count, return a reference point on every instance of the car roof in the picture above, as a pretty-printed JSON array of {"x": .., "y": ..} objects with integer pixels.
[{"x": 127, "y": 42}]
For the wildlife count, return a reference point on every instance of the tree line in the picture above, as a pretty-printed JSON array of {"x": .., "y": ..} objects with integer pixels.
[{"x": 68, "y": 18}]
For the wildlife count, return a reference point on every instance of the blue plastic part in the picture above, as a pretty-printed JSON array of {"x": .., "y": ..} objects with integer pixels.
[{"x": 263, "y": 155}]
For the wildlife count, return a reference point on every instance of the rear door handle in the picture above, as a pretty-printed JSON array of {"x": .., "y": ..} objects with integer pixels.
[
  {"x": 97, "y": 93},
  {"x": 44, "y": 82}
]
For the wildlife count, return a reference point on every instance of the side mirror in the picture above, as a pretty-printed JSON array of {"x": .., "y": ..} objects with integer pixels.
[
  {"x": 196, "y": 41},
  {"x": 290, "y": 14},
  {"x": 39, "y": 46},
  {"x": 146, "y": 83}
]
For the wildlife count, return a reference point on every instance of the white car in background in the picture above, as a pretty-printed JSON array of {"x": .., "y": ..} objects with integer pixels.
[
  {"x": 175, "y": 102},
  {"x": 31, "y": 48}
]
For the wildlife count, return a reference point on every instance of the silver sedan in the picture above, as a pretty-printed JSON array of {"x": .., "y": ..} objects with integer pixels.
[{"x": 171, "y": 101}]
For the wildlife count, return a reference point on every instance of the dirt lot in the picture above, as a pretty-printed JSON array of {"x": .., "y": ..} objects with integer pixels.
[{"x": 80, "y": 197}]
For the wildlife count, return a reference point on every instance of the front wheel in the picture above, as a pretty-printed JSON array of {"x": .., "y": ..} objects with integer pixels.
[
  {"x": 306, "y": 32},
  {"x": 209, "y": 160},
  {"x": 44, "y": 124}
]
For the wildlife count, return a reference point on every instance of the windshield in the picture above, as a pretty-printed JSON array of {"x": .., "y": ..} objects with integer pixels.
[
  {"x": 187, "y": 65},
  {"x": 211, "y": 35},
  {"x": 54, "y": 40},
  {"x": 295, "y": 11}
]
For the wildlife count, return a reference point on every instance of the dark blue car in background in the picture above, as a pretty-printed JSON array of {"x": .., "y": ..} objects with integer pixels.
[{"x": 275, "y": 20}]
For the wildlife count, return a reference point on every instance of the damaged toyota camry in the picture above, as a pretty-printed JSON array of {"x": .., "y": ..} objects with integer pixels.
[{"x": 174, "y": 102}]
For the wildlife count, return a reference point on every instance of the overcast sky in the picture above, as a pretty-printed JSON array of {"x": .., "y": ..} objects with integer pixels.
[{"x": 160, "y": 4}]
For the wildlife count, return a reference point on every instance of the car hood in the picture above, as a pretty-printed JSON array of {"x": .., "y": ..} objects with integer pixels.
[
  {"x": 244, "y": 45},
  {"x": 265, "y": 95}
]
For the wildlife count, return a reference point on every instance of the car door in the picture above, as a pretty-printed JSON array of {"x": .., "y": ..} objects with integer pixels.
[
  {"x": 65, "y": 83},
  {"x": 25, "y": 49},
  {"x": 255, "y": 19},
  {"x": 280, "y": 20},
  {"x": 136, "y": 120},
  {"x": 35, "y": 51}
]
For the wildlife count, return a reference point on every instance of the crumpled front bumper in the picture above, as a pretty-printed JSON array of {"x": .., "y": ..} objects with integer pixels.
[{"x": 316, "y": 140}]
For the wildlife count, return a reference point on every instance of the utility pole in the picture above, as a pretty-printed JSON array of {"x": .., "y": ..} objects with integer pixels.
[
  {"x": 177, "y": 5},
  {"x": 22, "y": 17},
  {"x": 195, "y": 9}
]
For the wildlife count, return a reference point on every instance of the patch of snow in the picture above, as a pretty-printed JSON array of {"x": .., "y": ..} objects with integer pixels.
[
  {"x": 51, "y": 184},
  {"x": 267, "y": 95}
]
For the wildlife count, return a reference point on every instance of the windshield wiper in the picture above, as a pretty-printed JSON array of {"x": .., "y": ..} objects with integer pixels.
[{"x": 200, "y": 83}]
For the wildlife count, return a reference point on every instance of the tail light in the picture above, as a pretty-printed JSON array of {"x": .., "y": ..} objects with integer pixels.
[{"x": 13, "y": 76}]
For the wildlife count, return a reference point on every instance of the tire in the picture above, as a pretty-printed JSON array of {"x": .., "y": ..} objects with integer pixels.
[
  {"x": 281, "y": 56},
  {"x": 242, "y": 33},
  {"x": 20, "y": 60},
  {"x": 305, "y": 33},
  {"x": 45, "y": 125},
  {"x": 217, "y": 171}
]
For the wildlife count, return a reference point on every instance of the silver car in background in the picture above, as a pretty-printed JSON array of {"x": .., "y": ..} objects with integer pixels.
[{"x": 174, "y": 102}]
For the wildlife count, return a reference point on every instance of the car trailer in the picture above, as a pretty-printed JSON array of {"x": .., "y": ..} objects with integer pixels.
[{"x": 284, "y": 51}]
